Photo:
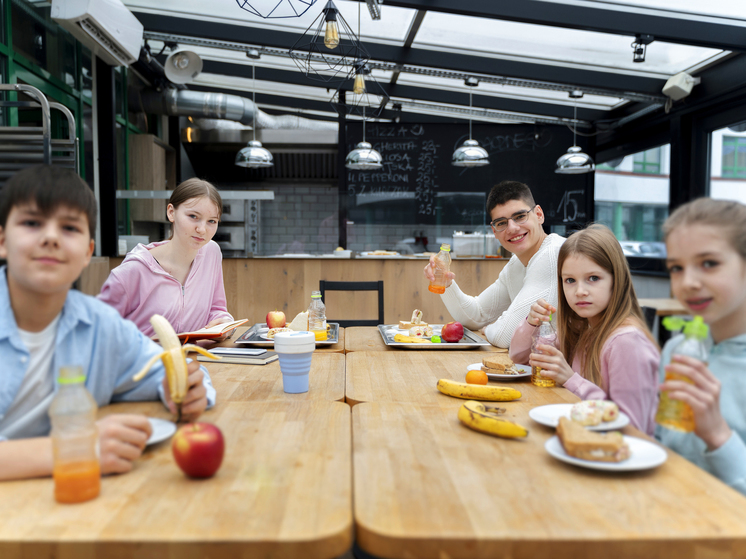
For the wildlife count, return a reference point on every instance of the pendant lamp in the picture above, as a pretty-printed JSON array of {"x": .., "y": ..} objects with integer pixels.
[
  {"x": 364, "y": 157},
  {"x": 575, "y": 162},
  {"x": 254, "y": 156},
  {"x": 470, "y": 153}
]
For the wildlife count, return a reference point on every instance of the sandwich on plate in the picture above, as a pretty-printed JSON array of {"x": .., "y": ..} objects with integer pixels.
[
  {"x": 590, "y": 445},
  {"x": 499, "y": 364}
]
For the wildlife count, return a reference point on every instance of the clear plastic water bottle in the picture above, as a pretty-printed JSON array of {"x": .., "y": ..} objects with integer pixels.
[
  {"x": 317, "y": 316},
  {"x": 545, "y": 334},
  {"x": 675, "y": 414},
  {"x": 76, "y": 470},
  {"x": 442, "y": 265}
]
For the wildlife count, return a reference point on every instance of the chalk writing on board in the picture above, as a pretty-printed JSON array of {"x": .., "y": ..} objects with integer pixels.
[{"x": 569, "y": 208}]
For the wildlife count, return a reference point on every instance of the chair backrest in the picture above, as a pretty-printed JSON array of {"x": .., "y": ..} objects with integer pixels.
[
  {"x": 650, "y": 314},
  {"x": 355, "y": 286}
]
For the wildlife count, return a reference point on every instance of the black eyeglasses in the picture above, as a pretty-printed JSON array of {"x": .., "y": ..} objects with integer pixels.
[{"x": 501, "y": 223}]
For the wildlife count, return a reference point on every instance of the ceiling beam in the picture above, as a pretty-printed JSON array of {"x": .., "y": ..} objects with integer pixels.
[
  {"x": 409, "y": 92},
  {"x": 603, "y": 17},
  {"x": 560, "y": 74}
]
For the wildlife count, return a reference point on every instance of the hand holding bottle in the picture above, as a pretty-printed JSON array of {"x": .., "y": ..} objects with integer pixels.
[
  {"x": 122, "y": 438},
  {"x": 553, "y": 364},
  {"x": 540, "y": 311},
  {"x": 702, "y": 394},
  {"x": 430, "y": 272}
]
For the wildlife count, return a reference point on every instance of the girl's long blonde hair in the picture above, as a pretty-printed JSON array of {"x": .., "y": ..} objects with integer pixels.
[{"x": 597, "y": 243}]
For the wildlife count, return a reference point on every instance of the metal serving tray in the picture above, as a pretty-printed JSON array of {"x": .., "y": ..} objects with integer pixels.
[
  {"x": 253, "y": 336},
  {"x": 469, "y": 341}
]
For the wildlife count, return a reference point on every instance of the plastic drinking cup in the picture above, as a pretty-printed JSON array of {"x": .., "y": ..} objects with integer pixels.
[{"x": 295, "y": 350}]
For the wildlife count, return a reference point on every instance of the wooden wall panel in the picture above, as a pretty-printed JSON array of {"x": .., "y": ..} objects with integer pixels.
[{"x": 255, "y": 286}]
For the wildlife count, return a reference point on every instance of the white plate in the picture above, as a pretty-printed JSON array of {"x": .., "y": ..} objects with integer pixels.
[
  {"x": 643, "y": 456},
  {"x": 162, "y": 429},
  {"x": 549, "y": 415},
  {"x": 526, "y": 372}
]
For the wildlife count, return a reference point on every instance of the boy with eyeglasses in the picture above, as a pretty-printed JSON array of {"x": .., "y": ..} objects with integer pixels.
[{"x": 531, "y": 273}]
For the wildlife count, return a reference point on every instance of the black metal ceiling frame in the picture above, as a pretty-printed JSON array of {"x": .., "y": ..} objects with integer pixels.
[{"x": 576, "y": 77}]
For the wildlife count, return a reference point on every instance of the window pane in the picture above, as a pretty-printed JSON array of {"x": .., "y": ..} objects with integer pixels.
[
  {"x": 728, "y": 163},
  {"x": 38, "y": 38},
  {"x": 634, "y": 207}
]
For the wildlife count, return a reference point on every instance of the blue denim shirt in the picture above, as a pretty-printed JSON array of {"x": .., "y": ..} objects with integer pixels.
[{"x": 94, "y": 336}]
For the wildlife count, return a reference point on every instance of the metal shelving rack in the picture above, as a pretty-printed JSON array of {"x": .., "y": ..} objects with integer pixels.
[{"x": 23, "y": 146}]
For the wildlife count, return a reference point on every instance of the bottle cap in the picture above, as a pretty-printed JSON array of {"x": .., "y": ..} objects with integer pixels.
[
  {"x": 71, "y": 375},
  {"x": 315, "y": 294},
  {"x": 696, "y": 328},
  {"x": 446, "y": 248}
]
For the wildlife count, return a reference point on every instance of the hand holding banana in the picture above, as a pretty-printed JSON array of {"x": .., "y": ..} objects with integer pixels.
[{"x": 174, "y": 362}]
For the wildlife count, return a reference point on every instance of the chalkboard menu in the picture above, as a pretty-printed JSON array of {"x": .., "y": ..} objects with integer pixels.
[{"x": 418, "y": 184}]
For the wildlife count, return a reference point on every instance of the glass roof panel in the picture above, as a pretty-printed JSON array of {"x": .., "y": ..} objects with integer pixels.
[
  {"x": 718, "y": 8},
  {"x": 554, "y": 45},
  {"x": 392, "y": 27}
]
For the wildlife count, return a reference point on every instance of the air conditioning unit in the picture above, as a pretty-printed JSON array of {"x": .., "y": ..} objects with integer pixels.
[{"x": 106, "y": 27}]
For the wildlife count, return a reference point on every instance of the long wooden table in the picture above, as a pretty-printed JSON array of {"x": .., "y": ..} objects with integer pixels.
[
  {"x": 427, "y": 486},
  {"x": 368, "y": 338},
  {"x": 284, "y": 490},
  {"x": 241, "y": 383}
]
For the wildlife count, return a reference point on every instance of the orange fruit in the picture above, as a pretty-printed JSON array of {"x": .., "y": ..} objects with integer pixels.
[{"x": 476, "y": 377}]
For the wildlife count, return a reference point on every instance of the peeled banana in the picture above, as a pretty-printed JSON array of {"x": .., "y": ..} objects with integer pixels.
[
  {"x": 477, "y": 391},
  {"x": 173, "y": 357},
  {"x": 477, "y": 416}
]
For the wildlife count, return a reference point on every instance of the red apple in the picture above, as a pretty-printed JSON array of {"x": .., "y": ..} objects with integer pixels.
[
  {"x": 198, "y": 449},
  {"x": 275, "y": 319},
  {"x": 452, "y": 332}
]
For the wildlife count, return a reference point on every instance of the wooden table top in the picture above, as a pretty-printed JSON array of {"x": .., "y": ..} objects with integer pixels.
[
  {"x": 664, "y": 307},
  {"x": 241, "y": 383},
  {"x": 339, "y": 347},
  {"x": 284, "y": 490},
  {"x": 368, "y": 338},
  {"x": 411, "y": 376},
  {"x": 427, "y": 486}
]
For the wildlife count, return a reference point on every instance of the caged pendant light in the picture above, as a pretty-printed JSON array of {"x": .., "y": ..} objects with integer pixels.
[
  {"x": 364, "y": 157},
  {"x": 470, "y": 153},
  {"x": 254, "y": 156},
  {"x": 575, "y": 162}
]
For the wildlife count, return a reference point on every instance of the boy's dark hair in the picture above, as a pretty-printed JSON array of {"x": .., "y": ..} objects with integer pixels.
[
  {"x": 509, "y": 190},
  {"x": 49, "y": 187}
]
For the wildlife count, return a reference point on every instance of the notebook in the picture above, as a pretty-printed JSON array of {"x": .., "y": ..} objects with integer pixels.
[
  {"x": 216, "y": 331},
  {"x": 241, "y": 356}
]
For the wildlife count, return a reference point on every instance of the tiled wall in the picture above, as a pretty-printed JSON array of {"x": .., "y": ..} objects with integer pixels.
[{"x": 304, "y": 219}]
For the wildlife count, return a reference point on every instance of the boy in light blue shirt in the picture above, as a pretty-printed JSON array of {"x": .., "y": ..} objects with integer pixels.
[{"x": 47, "y": 224}]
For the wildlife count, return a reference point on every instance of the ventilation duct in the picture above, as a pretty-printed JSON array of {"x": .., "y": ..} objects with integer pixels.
[{"x": 199, "y": 104}]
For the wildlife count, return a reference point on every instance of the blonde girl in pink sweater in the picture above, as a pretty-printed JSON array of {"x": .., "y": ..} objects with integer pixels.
[{"x": 600, "y": 327}]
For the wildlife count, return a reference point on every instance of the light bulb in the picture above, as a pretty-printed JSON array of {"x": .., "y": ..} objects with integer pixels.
[
  {"x": 181, "y": 61},
  {"x": 331, "y": 36},
  {"x": 358, "y": 86}
]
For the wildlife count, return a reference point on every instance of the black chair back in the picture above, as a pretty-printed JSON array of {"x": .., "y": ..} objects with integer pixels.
[{"x": 325, "y": 286}]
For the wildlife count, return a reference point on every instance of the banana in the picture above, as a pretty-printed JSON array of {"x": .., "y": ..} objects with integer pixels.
[
  {"x": 477, "y": 391},
  {"x": 173, "y": 357},
  {"x": 477, "y": 416},
  {"x": 410, "y": 339}
]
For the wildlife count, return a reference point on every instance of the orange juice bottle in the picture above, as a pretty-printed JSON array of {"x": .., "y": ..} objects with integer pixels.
[
  {"x": 317, "y": 317},
  {"x": 675, "y": 414},
  {"x": 442, "y": 265},
  {"x": 76, "y": 470},
  {"x": 544, "y": 334}
]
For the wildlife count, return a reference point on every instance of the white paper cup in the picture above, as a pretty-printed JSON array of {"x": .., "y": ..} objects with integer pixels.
[{"x": 295, "y": 350}]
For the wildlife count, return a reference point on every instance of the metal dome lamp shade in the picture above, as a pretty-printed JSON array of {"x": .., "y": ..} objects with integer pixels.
[
  {"x": 470, "y": 153},
  {"x": 364, "y": 157},
  {"x": 575, "y": 162},
  {"x": 254, "y": 156}
]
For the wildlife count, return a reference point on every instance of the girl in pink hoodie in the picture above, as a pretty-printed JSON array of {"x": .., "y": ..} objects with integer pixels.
[
  {"x": 601, "y": 330},
  {"x": 180, "y": 278}
]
